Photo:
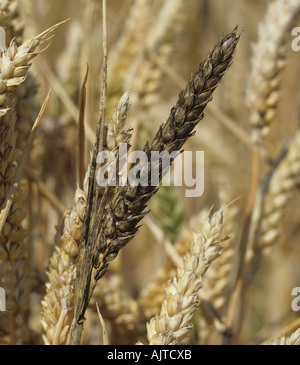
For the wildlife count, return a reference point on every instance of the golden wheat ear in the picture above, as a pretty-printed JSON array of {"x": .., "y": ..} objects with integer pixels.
[
  {"x": 173, "y": 324},
  {"x": 14, "y": 66},
  {"x": 128, "y": 206},
  {"x": 58, "y": 303}
]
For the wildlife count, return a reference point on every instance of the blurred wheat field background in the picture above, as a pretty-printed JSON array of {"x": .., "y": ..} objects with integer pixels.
[{"x": 240, "y": 294}]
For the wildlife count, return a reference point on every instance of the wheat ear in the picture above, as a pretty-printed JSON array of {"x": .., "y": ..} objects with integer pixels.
[
  {"x": 267, "y": 62},
  {"x": 57, "y": 306},
  {"x": 14, "y": 68},
  {"x": 15, "y": 65},
  {"x": 173, "y": 323},
  {"x": 127, "y": 207},
  {"x": 26, "y": 106},
  {"x": 58, "y": 303},
  {"x": 217, "y": 279},
  {"x": 277, "y": 192}
]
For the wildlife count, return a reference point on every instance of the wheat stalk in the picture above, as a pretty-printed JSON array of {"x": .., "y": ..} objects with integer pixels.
[
  {"x": 101, "y": 241},
  {"x": 26, "y": 107}
]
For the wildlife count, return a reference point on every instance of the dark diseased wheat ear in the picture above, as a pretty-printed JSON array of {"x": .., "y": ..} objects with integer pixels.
[{"x": 127, "y": 208}]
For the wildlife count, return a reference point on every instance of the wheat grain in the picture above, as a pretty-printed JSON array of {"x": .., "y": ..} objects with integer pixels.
[{"x": 15, "y": 65}]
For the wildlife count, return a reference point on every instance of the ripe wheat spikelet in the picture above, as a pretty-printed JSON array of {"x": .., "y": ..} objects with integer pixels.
[
  {"x": 217, "y": 279},
  {"x": 14, "y": 68},
  {"x": 293, "y": 339},
  {"x": 57, "y": 306},
  {"x": 15, "y": 65},
  {"x": 127, "y": 207},
  {"x": 173, "y": 323},
  {"x": 58, "y": 303},
  {"x": 267, "y": 62},
  {"x": 26, "y": 106}
]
